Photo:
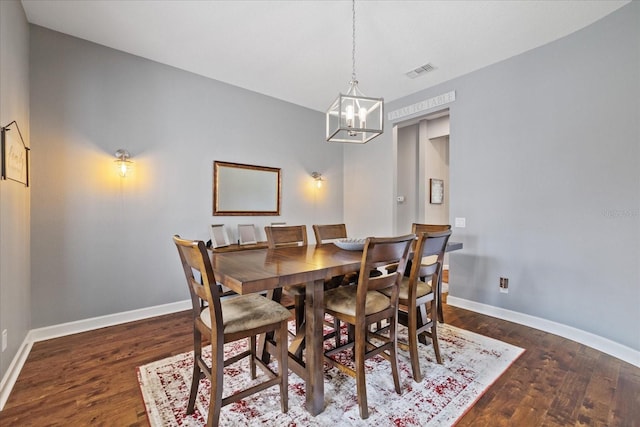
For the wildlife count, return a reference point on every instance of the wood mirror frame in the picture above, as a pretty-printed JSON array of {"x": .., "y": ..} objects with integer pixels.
[{"x": 240, "y": 189}]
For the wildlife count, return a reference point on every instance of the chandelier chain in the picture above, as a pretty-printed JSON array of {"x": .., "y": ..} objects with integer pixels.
[{"x": 353, "y": 52}]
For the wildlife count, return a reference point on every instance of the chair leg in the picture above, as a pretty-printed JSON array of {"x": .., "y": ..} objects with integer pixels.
[
  {"x": 351, "y": 337},
  {"x": 361, "y": 385},
  {"x": 393, "y": 356},
  {"x": 350, "y": 333},
  {"x": 336, "y": 328},
  {"x": 197, "y": 373},
  {"x": 439, "y": 302},
  {"x": 440, "y": 314},
  {"x": 215, "y": 398},
  {"x": 421, "y": 319},
  {"x": 413, "y": 346},
  {"x": 434, "y": 340},
  {"x": 252, "y": 359},
  {"x": 282, "y": 349},
  {"x": 299, "y": 305}
]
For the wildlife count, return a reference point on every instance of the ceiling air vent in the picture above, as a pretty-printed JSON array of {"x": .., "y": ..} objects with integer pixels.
[{"x": 420, "y": 71}]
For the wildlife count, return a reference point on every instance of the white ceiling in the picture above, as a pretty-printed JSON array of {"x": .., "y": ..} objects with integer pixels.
[{"x": 300, "y": 51}]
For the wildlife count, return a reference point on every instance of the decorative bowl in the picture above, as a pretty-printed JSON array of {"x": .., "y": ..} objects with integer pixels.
[{"x": 350, "y": 244}]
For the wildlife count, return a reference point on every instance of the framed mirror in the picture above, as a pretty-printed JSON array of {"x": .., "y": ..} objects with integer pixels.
[{"x": 240, "y": 189}]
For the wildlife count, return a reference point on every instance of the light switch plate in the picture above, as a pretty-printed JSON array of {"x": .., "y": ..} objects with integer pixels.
[{"x": 461, "y": 222}]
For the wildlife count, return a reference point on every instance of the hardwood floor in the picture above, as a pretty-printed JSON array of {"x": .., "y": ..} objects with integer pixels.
[{"x": 90, "y": 378}]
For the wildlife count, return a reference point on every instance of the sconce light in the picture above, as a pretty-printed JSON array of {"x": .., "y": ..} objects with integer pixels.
[
  {"x": 318, "y": 177},
  {"x": 123, "y": 163}
]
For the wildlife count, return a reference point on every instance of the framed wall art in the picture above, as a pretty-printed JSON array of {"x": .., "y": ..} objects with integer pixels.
[
  {"x": 247, "y": 234},
  {"x": 15, "y": 154},
  {"x": 437, "y": 191},
  {"x": 219, "y": 236}
]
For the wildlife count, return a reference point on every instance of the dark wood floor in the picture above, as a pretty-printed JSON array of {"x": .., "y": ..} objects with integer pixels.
[{"x": 90, "y": 379}]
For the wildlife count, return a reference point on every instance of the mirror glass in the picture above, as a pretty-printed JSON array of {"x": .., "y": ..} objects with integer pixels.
[{"x": 240, "y": 189}]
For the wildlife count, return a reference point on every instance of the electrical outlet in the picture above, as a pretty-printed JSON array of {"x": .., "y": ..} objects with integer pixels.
[
  {"x": 504, "y": 285},
  {"x": 4, "y": 340}
]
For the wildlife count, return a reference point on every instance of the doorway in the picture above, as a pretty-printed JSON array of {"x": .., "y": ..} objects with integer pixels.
[{"x": 422, "y": 155}]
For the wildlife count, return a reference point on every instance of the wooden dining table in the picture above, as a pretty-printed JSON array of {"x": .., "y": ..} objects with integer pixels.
[{"x": 262, "y": 270}]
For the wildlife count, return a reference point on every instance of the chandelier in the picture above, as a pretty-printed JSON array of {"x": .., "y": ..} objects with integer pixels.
[{"x": 354, "y": 117}]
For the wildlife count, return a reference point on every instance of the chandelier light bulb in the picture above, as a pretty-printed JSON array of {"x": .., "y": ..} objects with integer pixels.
[
  {"x": 349, "y": 114},
  {"x": 362, "y": 115}
]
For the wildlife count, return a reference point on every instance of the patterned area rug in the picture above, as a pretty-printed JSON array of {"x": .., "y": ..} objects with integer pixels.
[{"x": 471, "y": 363}]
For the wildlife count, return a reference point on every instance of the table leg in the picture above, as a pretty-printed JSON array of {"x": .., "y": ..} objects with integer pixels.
[
  {"x": 263, "y": 351},
  {"x": 314, "y": 319}
]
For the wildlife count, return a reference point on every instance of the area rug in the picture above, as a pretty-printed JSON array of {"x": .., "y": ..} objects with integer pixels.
[{"x": 471, "y": 363}]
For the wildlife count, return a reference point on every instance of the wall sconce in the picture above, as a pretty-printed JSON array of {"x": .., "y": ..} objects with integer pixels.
[
  {"x": 318, "y": 178},
  {"x": 123, "y": 163}
]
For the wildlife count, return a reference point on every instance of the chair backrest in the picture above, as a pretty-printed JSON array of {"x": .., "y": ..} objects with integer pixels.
[
  {"x": 378, "y": 252},
  {"x": 195, "y": 259},
  {"x": 327, "y": 233},
  {"x": 288, "y": 235},
  {"x": 417, "y": 228},
  {"x": 429, "y": 245}
]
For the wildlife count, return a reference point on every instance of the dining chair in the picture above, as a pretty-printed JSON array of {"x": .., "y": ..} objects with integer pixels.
[
  {"x": 418, "y": 299},
  {"x": 286, "y": 235},
  {"x": 224, "y": 321},
  {"x": 327, "y": 233},
  {"x": 283, "y": 236},
  {"x": 363, "y": 305},
  {"x": 417, "y": 228}
]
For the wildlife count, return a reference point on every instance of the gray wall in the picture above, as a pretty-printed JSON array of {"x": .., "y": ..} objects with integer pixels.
[
  {"x": 545, "y": 167},
  {"x": 15, "y": 311},
  {"x": 102, "y": 243}
]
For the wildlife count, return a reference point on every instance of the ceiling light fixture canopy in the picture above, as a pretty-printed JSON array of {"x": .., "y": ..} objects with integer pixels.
[{"x": 354, "y": 117}]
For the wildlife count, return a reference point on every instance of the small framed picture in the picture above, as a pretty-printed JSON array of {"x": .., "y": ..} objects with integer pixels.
[
  {"x": 247, "y": 234},
  {"x": 219, "y": 237},
  {"x": 15, "y": 155},
  {"x": 437, "y": 191}
]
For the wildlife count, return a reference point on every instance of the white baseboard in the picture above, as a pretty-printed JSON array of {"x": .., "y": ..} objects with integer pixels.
[
  {"x": 604, "y": 345},
  {"x": 55, "y": 331},
  {"x": 11, "y": 376},
  {"x": 84, "y": 325}
]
